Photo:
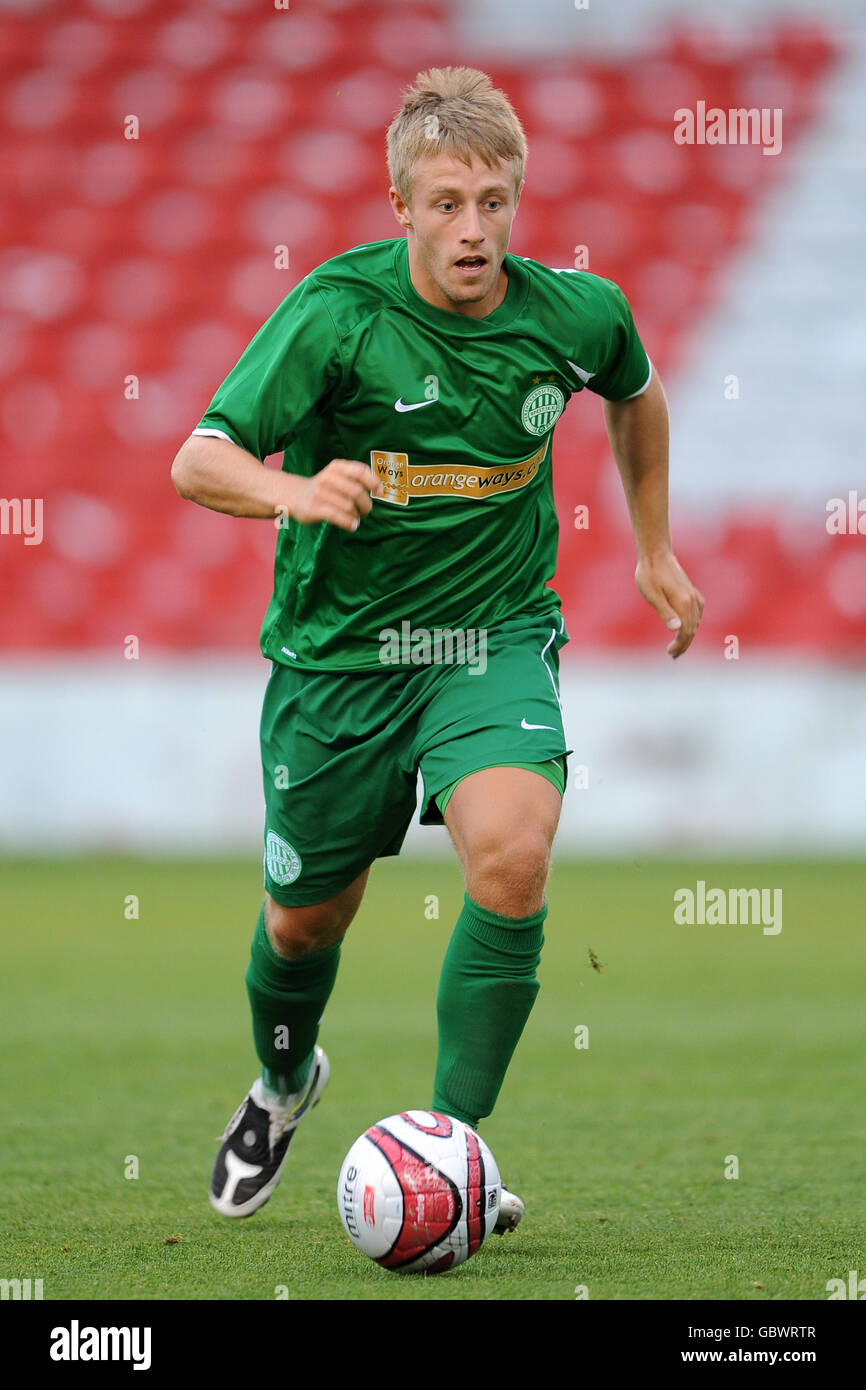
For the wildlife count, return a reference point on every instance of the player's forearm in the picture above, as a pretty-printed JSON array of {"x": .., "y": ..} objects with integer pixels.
[
  {"x": 639, "y": 437},
  {"x": 218, "y": 474}
]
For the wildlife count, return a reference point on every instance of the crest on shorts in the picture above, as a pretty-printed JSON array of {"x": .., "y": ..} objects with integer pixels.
[{"x": 282, "y": 862}]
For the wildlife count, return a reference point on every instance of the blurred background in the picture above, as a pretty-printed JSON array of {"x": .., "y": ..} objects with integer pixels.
[{"x": 154, "y": 154}]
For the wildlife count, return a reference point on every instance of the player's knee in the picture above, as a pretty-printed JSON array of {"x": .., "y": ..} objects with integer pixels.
[
  {"x": 299, "y": 931},
  {"x": 507, "y": 873}
]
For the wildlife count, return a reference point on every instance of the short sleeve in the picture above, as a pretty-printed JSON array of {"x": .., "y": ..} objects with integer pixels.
[
  {"x": 625, "y": 369},
  {"x": 290, "y": 367}
]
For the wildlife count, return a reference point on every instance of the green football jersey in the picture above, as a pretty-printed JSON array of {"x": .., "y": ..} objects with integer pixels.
[{"x": 456, "y": 416}]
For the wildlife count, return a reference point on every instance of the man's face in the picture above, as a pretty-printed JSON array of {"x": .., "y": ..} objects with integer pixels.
[{"x": 459, "y": 224}]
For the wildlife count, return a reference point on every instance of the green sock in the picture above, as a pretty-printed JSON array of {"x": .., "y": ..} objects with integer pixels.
[
  {"x": 486, "y": 993},
  {"x": 287, "y": 998}
]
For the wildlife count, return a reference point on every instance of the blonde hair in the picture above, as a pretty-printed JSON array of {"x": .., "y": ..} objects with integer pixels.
[{"x": 458, "y": 112}]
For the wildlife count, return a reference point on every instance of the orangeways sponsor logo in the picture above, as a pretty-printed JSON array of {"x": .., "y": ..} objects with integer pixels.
[{"x": 404, "y": 480}]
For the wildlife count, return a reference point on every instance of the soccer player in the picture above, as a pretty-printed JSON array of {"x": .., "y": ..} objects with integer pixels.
[{"x": 412, "y": 386}]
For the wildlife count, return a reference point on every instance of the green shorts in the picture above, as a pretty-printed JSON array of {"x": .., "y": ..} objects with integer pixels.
[{"x": 341, "y": 750}]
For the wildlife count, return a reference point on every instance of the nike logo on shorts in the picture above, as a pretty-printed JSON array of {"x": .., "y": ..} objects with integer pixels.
[
  {"x": 524, "y": 725},
  {"x": 418, "y": 405}
]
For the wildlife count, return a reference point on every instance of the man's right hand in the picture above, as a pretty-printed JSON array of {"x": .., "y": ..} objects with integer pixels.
[
  {"x": 216, "y": 473},
  {"x": 340, "y": 493}
]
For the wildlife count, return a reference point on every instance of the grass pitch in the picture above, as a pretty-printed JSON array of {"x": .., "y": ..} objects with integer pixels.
[{"x": 126, "y": 1047}]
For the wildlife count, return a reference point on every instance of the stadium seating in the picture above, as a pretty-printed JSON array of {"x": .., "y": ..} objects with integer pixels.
[{"x": 135, "y": 270}]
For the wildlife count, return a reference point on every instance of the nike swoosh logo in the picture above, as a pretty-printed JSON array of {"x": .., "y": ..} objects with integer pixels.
[
  {"x": 524, "y": 725},
  {"x": 418, "y": 405}
]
